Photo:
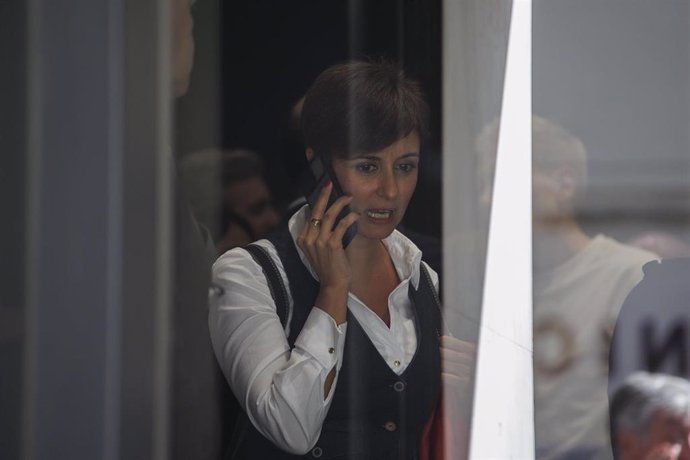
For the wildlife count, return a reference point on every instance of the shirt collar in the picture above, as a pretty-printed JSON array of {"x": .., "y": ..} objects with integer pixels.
[{"x": 405, "y": 255}]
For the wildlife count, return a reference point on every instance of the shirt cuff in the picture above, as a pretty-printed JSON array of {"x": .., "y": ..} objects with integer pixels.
[{"x": 323, "y": 339}]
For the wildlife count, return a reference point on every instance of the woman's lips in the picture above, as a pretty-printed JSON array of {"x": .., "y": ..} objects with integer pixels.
[{"x": 380, "y": 215}]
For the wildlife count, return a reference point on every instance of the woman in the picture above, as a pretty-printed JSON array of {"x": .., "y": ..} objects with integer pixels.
[{"x": 356, "y": 371}]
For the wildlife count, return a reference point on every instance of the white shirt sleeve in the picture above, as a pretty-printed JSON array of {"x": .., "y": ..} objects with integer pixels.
[{"x": 281, "y": 390}]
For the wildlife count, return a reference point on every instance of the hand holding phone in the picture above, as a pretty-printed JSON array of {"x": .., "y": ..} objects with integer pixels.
[
  {"x": 321, "y": 243},
  {"x": 319, "y": 175}
]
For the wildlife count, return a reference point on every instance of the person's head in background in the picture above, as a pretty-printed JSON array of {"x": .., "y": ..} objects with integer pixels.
[
  {"x": 182, "y": 52},
  {"x": 559, "y": 173},
  {"x": 229, "y": 195},
  {"x": 650, "y": 418}
]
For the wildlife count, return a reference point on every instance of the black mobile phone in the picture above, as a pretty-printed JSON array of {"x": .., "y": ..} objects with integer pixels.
[{"x": 317, "y": 176}]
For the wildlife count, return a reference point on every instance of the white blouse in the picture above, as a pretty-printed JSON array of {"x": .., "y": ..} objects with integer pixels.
[{"x": 280, "y": 389}]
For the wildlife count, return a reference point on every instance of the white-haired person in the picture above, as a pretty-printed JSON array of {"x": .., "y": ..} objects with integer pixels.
[{"x": 650, "y": 418}]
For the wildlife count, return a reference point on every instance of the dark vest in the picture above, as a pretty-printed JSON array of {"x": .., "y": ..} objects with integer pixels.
[{"x": 375, "y": 414}]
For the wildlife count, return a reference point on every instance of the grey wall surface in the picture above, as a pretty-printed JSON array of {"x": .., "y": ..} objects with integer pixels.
[
  {"x": 95, "y": 379},
  {"x": 615, "y": 73}
]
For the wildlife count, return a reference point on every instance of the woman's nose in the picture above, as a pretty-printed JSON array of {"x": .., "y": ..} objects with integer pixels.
[{"x": 388, "y": 186}]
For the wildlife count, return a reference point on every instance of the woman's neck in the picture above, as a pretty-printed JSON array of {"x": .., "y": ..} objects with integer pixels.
[
  {"x": 373, "y": 275},
  {"x": 362, "y": 252}
]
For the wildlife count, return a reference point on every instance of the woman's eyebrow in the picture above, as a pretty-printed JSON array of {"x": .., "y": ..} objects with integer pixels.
[
  {"x": 372, "y": 157},
  {"x": 365, "y": 156}
]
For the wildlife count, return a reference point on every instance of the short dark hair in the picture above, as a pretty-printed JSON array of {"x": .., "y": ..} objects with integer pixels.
[
  {"x": 641, "y": 396},
  {"x": 361, "y": 107}
]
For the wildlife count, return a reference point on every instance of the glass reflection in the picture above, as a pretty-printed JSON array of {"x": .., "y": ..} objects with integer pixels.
[{"x": 650, "y": 417}]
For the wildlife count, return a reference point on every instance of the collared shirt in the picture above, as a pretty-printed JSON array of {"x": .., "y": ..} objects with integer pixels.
[{"x": 281, "y": 389}]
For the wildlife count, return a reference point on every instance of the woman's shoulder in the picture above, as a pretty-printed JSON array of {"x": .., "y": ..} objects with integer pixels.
[{"x": 239, "y": 260}]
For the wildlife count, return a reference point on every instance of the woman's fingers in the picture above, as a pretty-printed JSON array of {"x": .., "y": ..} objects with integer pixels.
[
  {"x": 343, "y": 225},
  {"x": 455, "y": 381},
  {"x": 458, "y": 357},
  {"x": 311, "y": 231},
  {"x": 321, "y": 239},
  {"x": 457, "y": 350},
  {"x": 459, "y": 369},
  {"x": 322, "y": 201},
  {"x": 457, "y": 365},
  {"x": 330, "y": 216},
  {"x": 451, "y": 343},
  {"x": 319, "y": 208}
]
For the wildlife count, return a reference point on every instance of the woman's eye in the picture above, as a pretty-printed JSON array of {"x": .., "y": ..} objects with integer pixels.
[
  {"x": 366, "y": 168},
  {"x": 407, "y": 167}
]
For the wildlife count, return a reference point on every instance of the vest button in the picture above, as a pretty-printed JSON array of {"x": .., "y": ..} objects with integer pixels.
[
  {"x": 399, "y": 386},
  {"x": 390, "y": 426},
  {"x": 316, "y": 452}
]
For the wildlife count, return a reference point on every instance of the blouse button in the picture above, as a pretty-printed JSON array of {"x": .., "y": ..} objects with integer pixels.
[
  {"x": 331, "y": 350},
  {"x": 396, "y": 363},
  {"x": 316, "y": 452},
  {"x": 390, "y": 426},
  {"x": 399, "y": 386}
]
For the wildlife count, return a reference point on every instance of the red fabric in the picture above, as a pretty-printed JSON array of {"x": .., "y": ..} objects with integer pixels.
[{"x": 446, "y": 434}]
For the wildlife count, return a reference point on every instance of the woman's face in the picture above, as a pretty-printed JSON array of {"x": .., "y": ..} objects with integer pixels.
[{"x": 381, "y": 185}]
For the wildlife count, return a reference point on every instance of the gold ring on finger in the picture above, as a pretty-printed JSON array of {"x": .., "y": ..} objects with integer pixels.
[{"x": 316, "y": 223}]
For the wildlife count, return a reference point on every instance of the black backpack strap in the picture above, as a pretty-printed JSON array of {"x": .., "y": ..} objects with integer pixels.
[{"x": 275, "y": 281}]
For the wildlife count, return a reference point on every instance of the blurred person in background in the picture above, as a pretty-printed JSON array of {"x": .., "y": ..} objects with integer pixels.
[
  {"x": 579, "y": 285},
  {"x": 229, "y": 195},
  {"x": 663, "y": 244},
  {"x": 197, "y": 412},
  {"x": 650, "y": 418}
]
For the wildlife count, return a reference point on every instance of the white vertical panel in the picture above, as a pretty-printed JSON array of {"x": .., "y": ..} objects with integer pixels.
[{"x": 502, "y": 424}]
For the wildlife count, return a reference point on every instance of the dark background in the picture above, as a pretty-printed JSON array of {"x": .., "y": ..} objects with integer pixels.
[
  {"x": 267, "y": 54},
  {"x": 12, "y": 206},
  {"x": 255, "y": 60}
]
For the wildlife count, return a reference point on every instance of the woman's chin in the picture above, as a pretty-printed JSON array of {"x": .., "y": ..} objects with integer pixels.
[{"x": 375, "y": 232}]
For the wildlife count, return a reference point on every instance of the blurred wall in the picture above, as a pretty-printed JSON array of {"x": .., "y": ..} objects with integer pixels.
[{"x": 616, "y": 73}]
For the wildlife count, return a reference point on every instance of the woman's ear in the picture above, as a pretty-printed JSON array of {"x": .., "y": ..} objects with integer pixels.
[{"x": 309, "y": 153}]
